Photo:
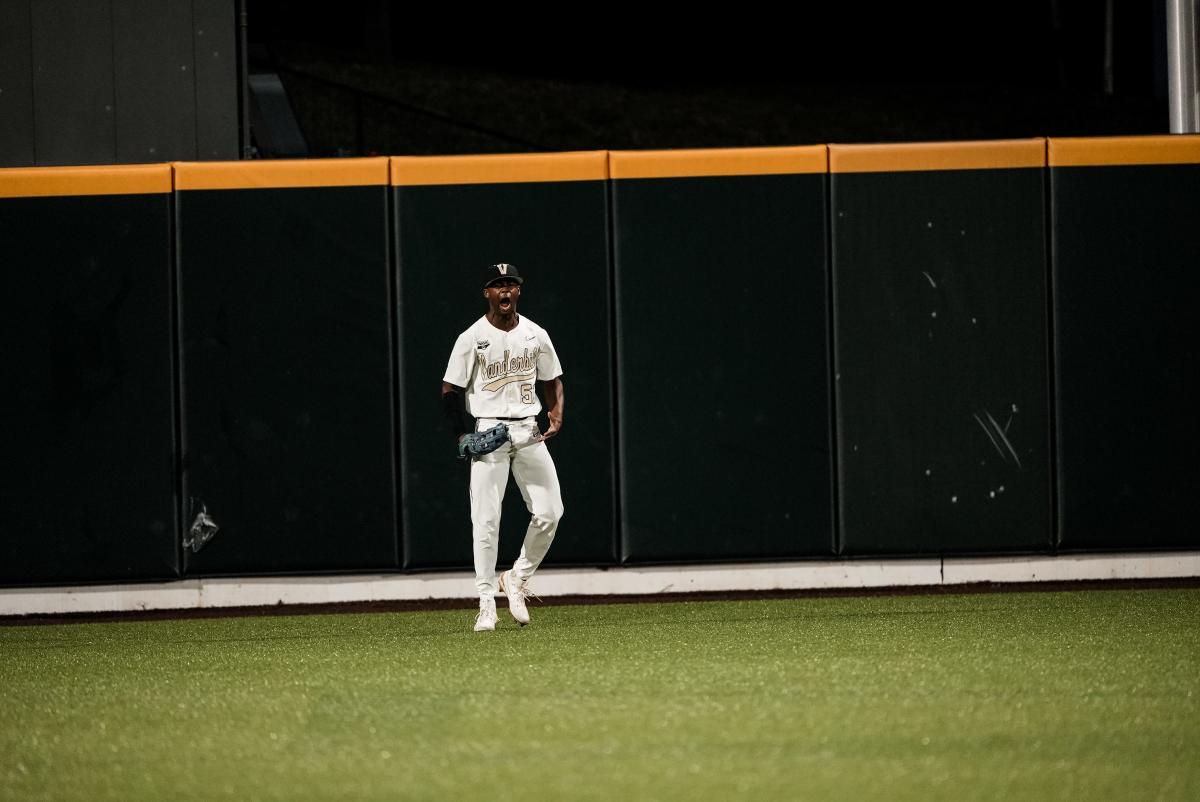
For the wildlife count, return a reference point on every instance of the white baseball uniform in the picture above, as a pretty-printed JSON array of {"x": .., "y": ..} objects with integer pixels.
[{"x": 499, "y": 370}]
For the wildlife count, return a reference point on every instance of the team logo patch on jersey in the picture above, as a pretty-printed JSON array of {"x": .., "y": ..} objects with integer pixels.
[{"x": 483, "y": 345}]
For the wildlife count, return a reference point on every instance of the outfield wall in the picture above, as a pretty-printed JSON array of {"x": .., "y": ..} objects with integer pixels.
[
  {"x": 286, "y": 364},
  {"x": 87, "y": 420},
  {"x": 771, "y": 354},
  {"x": 1125, "y": 248},
  {"x": 721, "y": 287},
  {"x": 941, "y": 346}
]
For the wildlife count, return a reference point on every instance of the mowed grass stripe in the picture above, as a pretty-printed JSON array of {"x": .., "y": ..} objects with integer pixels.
[{"x": 1084, "y": 695}]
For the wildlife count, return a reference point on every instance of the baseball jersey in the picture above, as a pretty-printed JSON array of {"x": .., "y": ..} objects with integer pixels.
[{"x": 499, "y": 368}]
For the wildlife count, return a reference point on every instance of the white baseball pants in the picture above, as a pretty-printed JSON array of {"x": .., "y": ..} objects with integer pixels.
[{"x": 537, "y": 480}]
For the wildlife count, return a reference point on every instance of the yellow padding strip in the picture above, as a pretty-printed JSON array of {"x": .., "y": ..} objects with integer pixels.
[
  {"x": 911, "y": 157},
  {"x": 517, "y": 168},
  {"x": 1100, "y": 151},
  {"x": 282, "y": 174},
  {"x": 718, "y": 162},
  {"x": 132, "y": 179}
]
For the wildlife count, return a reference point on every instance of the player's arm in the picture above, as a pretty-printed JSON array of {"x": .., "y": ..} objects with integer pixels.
[
  {"x": 454, "y": 408},
  {"x": 552, "y": 394}
]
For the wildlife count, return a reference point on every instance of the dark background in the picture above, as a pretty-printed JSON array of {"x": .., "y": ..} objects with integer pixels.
[
  {"x": 261, "y": 352},
  {"x": 383, "y": 78}
]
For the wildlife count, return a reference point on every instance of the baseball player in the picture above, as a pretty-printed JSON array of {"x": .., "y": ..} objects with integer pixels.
[{"x": 489, "y": 398}]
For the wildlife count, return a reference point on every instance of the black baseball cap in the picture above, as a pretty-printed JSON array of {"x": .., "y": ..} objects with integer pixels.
[{"x": 502, "y": 270}]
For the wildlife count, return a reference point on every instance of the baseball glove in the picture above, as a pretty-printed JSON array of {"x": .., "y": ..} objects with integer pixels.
[{"x": 476, "y": 444}]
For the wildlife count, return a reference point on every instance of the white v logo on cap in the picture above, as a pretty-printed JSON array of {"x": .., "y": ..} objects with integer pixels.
[{"x": 503, "y": 269}]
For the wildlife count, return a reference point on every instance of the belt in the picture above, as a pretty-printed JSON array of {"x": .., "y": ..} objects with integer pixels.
[{"x": 493, "y": 417}]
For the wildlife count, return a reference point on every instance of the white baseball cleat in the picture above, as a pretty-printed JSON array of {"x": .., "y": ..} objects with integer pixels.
[
  {"x": 486, "y": 620},
  {"x": 516, "y": 594}
]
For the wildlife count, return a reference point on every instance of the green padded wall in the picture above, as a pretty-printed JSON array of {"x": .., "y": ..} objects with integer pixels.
[
  {"x": 722, "y": 355},
  {"x": 1126, "y": 248},
  {"x": 940, "y": 309},
  {"x": 288, "y": 434},
  {"x": 86, "y": 421}
]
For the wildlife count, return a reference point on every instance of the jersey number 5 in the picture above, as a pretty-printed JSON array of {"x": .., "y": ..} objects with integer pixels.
[{"x": 526, "y": 393}]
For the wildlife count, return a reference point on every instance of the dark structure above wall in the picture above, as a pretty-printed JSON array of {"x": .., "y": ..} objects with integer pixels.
[
  {"x": 379, "y": 78},
  {"x": 117, "y": 81}
]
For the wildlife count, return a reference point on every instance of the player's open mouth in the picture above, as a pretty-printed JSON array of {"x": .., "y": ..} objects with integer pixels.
[{"x": 505, "y": 302}]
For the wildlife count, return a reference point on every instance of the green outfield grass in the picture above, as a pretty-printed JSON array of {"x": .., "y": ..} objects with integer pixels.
[{"x": 1022, "y": 696}]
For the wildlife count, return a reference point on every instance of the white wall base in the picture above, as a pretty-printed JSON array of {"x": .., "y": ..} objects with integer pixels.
[{"x": 252, "y": 592}]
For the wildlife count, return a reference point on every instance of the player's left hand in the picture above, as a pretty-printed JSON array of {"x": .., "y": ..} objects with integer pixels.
[{"x": 553, "y": 429}]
